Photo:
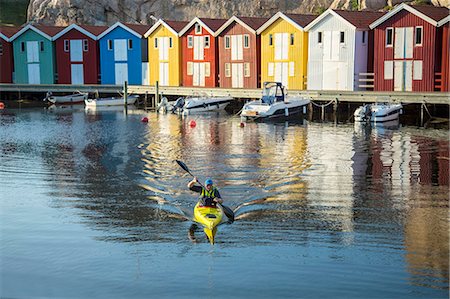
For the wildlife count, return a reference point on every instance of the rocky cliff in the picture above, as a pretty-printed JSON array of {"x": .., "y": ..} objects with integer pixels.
[{"x": 101, "y": 12}]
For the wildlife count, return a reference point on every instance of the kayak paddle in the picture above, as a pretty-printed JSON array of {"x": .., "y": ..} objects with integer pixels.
[{"x": 228, "y": 212}]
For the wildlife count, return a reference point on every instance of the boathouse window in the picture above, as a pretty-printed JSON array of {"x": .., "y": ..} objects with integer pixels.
[
  {"x": 110, "y": 45},
  {"x": 342, "y": 37},
  {"x": 156, "y": 43},
  {"x": 247, "y": 69},
  {"x": 41, "y": 46},
  {"x": 206, "y": 41},
  {"x": 170, "y": 42},
  {"x": 190, "y": 68},
  {"x": 389, "y": 37},
  {"x": 207, "y": 69},
  {"x": 22, "y": 46},
  {"x": 270, "y": 39},
  {"x": 85, "y": 45},
  {"x": 388, "y": 70},
  {"x": 227, "y": 42},
  {"x": 364, "y": 37},
  {"x": 190, "y": 41},
  {"x": 292, "y": 39},
  {"x": 130, "y": 44},
  {"x": 227, "y": 70},
  {"x": 417, "y": 70},
  {"x": 418, "y": 34},
  {"x": 66, "y": 45},
  {"x": 246, "y": 41},
  {"x": 319, "y": 37},
  {"x": 198, "y": 28}
]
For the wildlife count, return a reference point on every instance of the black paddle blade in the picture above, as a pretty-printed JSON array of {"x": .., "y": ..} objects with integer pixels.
[{"x": 182, "y": 165}]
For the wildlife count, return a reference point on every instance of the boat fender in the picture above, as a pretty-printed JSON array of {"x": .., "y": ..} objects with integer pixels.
[
  {"x": 286, "y": 111},
  {"x": 2, "y": 105},
  {"x": 144, "y": 119},
  {"x": 192, "y": 123}
]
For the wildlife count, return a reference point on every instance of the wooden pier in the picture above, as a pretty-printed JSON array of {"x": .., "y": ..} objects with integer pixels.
[{"x": 329, "y": 95}]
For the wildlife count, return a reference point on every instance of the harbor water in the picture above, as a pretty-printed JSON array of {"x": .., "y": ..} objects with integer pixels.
[{"x": 92, "y": 205}]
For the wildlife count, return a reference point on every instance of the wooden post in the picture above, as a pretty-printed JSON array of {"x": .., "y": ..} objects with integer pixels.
[
  {"x": 125, "y": 95},
  {"x": 421, "y": 114},
  {"x": 323, "y": 112},
  {"x": 146, "y": 100},
  {"x": 156, "y": 94}
]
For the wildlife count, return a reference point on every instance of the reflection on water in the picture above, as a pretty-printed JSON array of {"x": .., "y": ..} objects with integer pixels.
[{"x": 380, "y": 189}]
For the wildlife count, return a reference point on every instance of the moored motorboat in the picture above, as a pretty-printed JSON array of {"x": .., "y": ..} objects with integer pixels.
[
  {"x": 379, "y": 112},
  {"x": 111, "y": 101},
  {"x": 209, "y": 217},
  {"x": 200, "y": 104},
  {"x": 76, "y": 98},
  {"x": 274, "y": 104}
]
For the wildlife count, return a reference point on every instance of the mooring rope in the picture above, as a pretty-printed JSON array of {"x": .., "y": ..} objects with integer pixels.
[{"x": 323, "y": 106}]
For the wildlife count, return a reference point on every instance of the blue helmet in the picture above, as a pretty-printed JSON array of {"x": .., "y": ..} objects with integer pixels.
[{"x": 208, "y": 182}]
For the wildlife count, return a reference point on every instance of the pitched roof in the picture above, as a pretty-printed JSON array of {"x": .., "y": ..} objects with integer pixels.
[
  {"x": 139, "y": 28},
  {"x": 301, "y": 19},
  {"x": 360, "y": 19},
  {"x": 6, "y": 32},
  {"x": 95, "y": 30},
  {"x": 49, "y": 30},
  {"x": 249, "y": 23},
  {"x": 176, "y": 25},
  {"x": 253, "y": 22},
  {"x": 213, "y": 24},
  {"x": 435, "y": 12}
]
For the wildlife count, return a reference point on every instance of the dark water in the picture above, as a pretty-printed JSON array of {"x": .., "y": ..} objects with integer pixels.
[{"x": 93, "y": 206}]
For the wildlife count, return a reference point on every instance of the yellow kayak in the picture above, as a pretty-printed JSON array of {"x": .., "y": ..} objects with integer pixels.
[{"x": 209, "y": 217}]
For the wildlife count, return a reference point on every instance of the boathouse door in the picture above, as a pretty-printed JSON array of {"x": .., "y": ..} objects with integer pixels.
[
  {"x": 198, "y": 48},
  {"x": 403, "y": 74},
  {"x": 34, "y": 74},
  {"x": 120, "y": 60},
  {"x": 76, "y": 55},
  {"x": 198, "y": 74},
  {"x": 281, "y": 73},
  {"x": 164, "y": 73},
  {"x": 237, "y": 75},
  {"x": 121, "y": 73},
  {"x": 77, "y": 74}
]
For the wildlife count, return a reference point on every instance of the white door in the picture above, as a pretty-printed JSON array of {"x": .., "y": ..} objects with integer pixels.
[
  {"x": 281, "y": 46},
  {"x": 342, "y": 73},
  {"x": 198, "y": 48},
  {"x": 164, "y": 73},
  {"x": 76, "y": 71},
  {"x": 145, "y": 74},
  {"x": 120, "y": 50},
  {"x": 404, "y": 42},
  {"x": 163, "y": 48},
  {"x": 398, "y": 76},
  {"x": 409, "y": 42},
  {"x": 32, "y": 52},
  {"x": 408, "y": 75},
  {"x": 121, "y": 72},
  {"x": 281, "y": 72},
  {"x": 327, "y": 36},
  {"x": 236, "y": 47},
  {"x": 34, "y": 75},
  {"x": 237, "y": 75},
  {"x": 76, "y": 50},
  {"x": 199, "y": 74},
  {"x": 330, "y": 71}
]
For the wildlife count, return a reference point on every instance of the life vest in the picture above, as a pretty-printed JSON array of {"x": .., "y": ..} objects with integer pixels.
[{"x": 207, "y": 197}]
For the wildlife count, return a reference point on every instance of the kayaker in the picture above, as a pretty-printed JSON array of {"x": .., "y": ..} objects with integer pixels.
[{"x": 209, "y": 196}]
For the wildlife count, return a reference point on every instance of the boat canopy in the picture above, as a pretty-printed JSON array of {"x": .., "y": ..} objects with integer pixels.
[{"x": 273, "y": 92}]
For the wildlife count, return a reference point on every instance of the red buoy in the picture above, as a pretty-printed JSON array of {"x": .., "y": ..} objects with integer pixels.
[
  {"x": 2, "y": 105},
  {"x": 192, "y": 123},
  {"x": 242, "y": 125},
  {"x": 144, "y": 119}
]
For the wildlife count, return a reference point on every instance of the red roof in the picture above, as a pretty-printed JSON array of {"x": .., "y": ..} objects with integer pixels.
[
  {"x": 49, "y": 30},
  {"x": 253, "y": 23},
  {"x": 9, "y": 31},
  {"x": 360, "y": 19},
  {"x": 302, "y": 20},
  {"x": 139, "y": 28},
  {"x": 435, "y": 12},
  {"x": 95, "y": 30},
  {"x": 213, "y": 24},
  {"x": 176, "y": 25}
]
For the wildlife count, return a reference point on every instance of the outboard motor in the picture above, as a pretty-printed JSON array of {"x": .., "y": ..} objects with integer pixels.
[{"x": 179, "y": 104}]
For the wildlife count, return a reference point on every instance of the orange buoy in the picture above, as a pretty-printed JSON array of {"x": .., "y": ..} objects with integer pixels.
[
  {"x": 2, "y": 105},
  {"x": 144, "y": 119},
  {"x": 192, "y": 123}
]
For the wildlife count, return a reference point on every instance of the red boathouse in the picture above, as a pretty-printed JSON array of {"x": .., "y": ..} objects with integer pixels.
[{"x": 6, "y": 54}]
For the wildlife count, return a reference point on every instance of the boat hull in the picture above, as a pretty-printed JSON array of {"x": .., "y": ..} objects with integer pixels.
[
  {"x": 258, "y": 111},
  {"x": 378, "y": 113},
  {"x": 110, "y": 101},
  {"x": 68, "y": 100},
  {"x": 200, "y": 105},
  {"x": 209, "y": 218}
]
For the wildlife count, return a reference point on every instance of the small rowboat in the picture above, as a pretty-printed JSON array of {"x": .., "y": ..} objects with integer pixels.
[{"x": 209, "y": 217}]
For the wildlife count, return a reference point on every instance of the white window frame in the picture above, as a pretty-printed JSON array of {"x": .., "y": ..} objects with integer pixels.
[
  {"x": 66, "y": 45},
  {"x": 246, "y": 41},
  {"x": 247, "y": 69},
  {"x": 207, "y": 41},
  {"x": 190, "y": 43},
  {"x": 207, "y": 66},
  {"x": 227, "y": 69},
  {"x": 198, "y": 28},
  {"x": 85, "y": 45},
  {"x": 190, "y": 68},
  {"x": 421, "y": 36},
  {"x": 227, "y": 42},
  {"x": 388, "y": 70},
  {"x": 392, "y": 37}
]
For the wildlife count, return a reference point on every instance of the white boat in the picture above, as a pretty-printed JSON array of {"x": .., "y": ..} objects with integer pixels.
[
  {"x": 112, "y": 101},
  {"x": 200, "y": 104},
  {"x": 75, "y": 98},
  {"x": 378, "y": 112},
  {"x": 274, "y": 104}
]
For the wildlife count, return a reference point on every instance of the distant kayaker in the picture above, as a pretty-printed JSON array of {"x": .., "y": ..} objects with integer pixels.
[{"x": 209, "y": 195}]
